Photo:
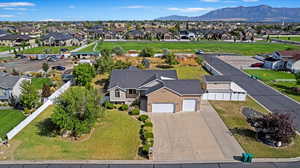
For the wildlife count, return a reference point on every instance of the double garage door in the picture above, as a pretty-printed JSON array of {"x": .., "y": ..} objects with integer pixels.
[{"x": 187, "y": 106}]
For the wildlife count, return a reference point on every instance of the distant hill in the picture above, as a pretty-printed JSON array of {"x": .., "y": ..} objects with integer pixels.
[{"x": 262, "y": 13}]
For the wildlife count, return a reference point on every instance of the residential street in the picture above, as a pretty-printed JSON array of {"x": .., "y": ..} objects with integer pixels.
[{"x": 265, "y": 95}]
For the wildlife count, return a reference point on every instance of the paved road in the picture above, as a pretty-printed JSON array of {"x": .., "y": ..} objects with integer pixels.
[
  {"x": 191, "y": 165},
  {"x": 268, "y": 97}
]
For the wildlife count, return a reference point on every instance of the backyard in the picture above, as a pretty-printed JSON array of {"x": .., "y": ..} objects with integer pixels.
[
  {"x": 271, "y": 78},
  {"x": 9, "y": 119},
  {"x": 207, "y": 46},
  {"x": 52, "y": 50},
  {"x": 231, "y": 114},
  {"x": 38, "y": 83},
  {"x": 114, "y": 138}
]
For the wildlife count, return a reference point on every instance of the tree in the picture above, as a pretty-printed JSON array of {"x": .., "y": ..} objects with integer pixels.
[
  {"x": 121, "y": 65},
  {"x": 106, "y": 53},
  {"x": 118, "y": 50},
  {"x": 146, "y": 63},
  {"x": 83, "y": 74},
  {"x": 147, "y": 52},
  {"x": 104, "y": 64},
  {"x": 29, "y": 98},
  {"x": 170, "y": 59},
  {"x": 77, "y": 111},
  {"x": 199, "y": 59},
  {"x": 45, "y": 67},
  {"x": 297, "y": 76}
]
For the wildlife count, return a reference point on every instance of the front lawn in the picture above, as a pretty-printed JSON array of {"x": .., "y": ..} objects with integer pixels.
[
  {"x": 116, "y": 138},
  {"x": 231, "y": 114},
  {"x": 9, "y": 119},
  {"x": 52, "y": 50},
  {"x": 4, "y": 48},
  {"x": 269, "y": 77},
  {"x": 208, "y": 46}
]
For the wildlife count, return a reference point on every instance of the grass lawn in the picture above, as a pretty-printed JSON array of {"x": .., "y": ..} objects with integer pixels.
[
  {"x": 289, "y": 38},
  {"x": 88, "y": 49},
  {"x": 9, "y": 119},
  {"x": 116, "y": 138},
  {"x": 268, "y": 77},
  {"x": 39, "y": 82},
  {"x": 208, "y": 46},
  {"x": 4, "y": 48},
  {"x": 190, "y": 72},
  {"x": 53, "y": 50},
  {"x": 231, "y": 114}
]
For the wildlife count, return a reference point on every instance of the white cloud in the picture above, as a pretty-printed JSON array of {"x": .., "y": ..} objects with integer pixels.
[
  {"x": 135, "y": 7},
  {"x": 16, "y": 9},
  {"x": 6, "y": 16},
  {"x": 210, "y": 0},
  {"x": 51, "y": 20},
  {"x": 16, "y": 4},
  {"x": 72, "y": 7},
  {"x": 190, "y": 9}
]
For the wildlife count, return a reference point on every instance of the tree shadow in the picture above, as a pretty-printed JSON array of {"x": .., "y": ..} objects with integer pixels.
[
  {"x": 286, "y": 89},
  {"x": 244, "y": 132},
  {"x": 47, "y": 128},
  {"x": 102, "y": 82}
]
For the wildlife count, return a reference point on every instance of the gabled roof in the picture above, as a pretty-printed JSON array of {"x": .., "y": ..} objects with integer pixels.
[
  {"x": 58, "y": 36},
  {"x": 134, "y": 78},
  {"x": 8, "y": 81},
  {"x": 15, "y": 37}
]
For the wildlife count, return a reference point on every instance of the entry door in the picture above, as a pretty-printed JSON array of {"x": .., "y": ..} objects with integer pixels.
[
  {"x": 189, "y": 106},
  {"x": 163, "y": 108}
]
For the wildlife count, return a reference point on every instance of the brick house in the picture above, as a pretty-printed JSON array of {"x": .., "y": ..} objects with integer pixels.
[{"x": 157, "y": 91}]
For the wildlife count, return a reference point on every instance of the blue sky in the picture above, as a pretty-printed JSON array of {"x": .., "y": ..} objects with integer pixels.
[{"x": 40, "y": 10}]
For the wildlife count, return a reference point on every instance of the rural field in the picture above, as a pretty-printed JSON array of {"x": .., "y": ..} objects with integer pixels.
[
  {"x": 269, "y": 77},
  {"x": 9, "y": 119},
  {"x": 207, "y": 46},
  {"x": 52, "y": 50}
]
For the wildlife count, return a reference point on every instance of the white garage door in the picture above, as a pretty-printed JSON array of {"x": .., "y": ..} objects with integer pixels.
[
  {"x": 163, "y": 108},
  {"x": 189, "y": 105}
]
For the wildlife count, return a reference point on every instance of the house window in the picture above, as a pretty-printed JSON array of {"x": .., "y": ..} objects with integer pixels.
[
  {"x": 117, "y": 93},
  {"x": 132, "y": 91}
]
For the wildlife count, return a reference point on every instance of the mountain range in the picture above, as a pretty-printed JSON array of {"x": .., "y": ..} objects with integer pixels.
[{"x": 262, "y": 13}]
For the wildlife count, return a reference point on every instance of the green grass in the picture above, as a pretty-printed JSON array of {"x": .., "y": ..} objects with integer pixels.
[
  {"x": 88, "y": 49},
  {"x": 231, "y": 114},
  {"x": 267, "y": 75},
  {"x": 39, "y": 82},
  {"x": 116, "y": 138},
  {"x": 297, "y": 39},
  {"x": 53, "y": 50},
  {"x": 208, "y": 46},
  {"x": 4, "y": 48},
  {"x": 190, "y": 72},
  {"x": 9, "y": 119}
]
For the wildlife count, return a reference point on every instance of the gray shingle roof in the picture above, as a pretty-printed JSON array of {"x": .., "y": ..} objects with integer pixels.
[
  {"x": 135, "y": 78},
  {"x": 184, "y": 87},
  {"x": 15, "y": 37},
  {"x": 217, "y": 78},
  {"x": 8, "y": 81},
  {"x": 58, "y": 36}
]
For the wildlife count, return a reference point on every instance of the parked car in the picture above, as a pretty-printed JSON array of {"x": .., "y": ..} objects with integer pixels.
[
  {"x": 59, "y": 68},
  {"x": 257, "y": 65},
  {"x": 51, "y": 59},
  {"x": 199, "y": 52},
  {"x": 20, "y": 56},
  {"x": 67, "y": 77}
]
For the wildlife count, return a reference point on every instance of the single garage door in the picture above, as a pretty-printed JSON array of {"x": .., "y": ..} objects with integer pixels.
[
  {"x": 163, "y": 108},
  {"x": 189, "y": 106}
]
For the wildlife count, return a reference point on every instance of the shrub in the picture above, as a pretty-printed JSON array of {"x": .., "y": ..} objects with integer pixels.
[
  {"x": 147, "y": 52},
  {"x": 134, "y": 112},
  {"x": 143, "y": 117},
  {"x": 118, "y": 50},
  {"x": 148, "y": 135},
  {"x": 165, "y": 66},
  {"x": 147, "y": 130},
  {"x": 199, "y": 60},
  {"x": 124, "y": 107},
  {"x": 148, "y": 124},
  {"x": 146, "y": 150},
  {"x": 150, "y": 142},
  {"x": 108, "y": 105}
]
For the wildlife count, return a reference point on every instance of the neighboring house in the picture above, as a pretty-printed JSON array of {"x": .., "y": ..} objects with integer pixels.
[
  {"x": 16, "y": 40},
  {"x": 158, "y": 91},
  {"x": 10, "y": 86},
  {"x": 223, "y": 89},
  {"x": 187, "y": 35},
  {"x": 3, "y": 33},
  {"x": 60, "y": 39},
  {"x": 283, "y": 60}
]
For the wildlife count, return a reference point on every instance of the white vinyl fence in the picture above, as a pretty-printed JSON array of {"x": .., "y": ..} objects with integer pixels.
[{"x": 35, "y": 114}]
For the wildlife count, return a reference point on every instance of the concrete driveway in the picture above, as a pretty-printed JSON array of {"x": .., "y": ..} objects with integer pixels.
[{"x": 188, "y": 137}]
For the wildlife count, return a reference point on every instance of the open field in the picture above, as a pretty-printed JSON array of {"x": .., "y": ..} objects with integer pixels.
[
  {"x": 38, "y": 83},
  {"x": 269, "y": 77},
  {"x": 53, "y": 50},
  {"x": 231, "y": 114},
  {"x": 9, "y": 119},
  {"x": 115, "y": 138},
  {"x": 4, "y": 48},
  {"x": 207, "y": 46}
]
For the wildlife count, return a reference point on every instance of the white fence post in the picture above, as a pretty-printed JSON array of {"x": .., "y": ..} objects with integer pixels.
[{"x": 35, "y": 114}]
